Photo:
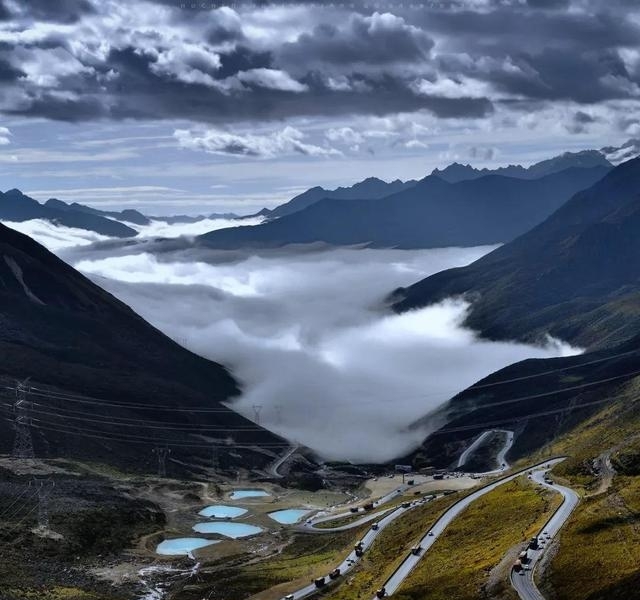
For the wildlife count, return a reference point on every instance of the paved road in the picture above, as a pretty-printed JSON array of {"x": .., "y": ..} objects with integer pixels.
[
  {"x": 273, "y": 469},
  {"x": 500, "y": 457},
  {"x": 522, "y": 581},
  {"x": 366, "y": 518},
  {"x": 402, "y": 572},
  {"x": 351, "y": 560}
]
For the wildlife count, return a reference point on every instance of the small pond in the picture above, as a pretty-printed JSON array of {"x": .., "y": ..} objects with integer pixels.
[
  {"x": 183, "y": 546},
  {"x": 289, "y": 516},
  {"x": 239, "y": 494},
  {"x": 220, "y": 511},
  {"x": 232, "y": 530}
]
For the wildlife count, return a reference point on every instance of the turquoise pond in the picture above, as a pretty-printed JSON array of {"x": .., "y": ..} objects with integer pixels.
[
  {"x": 183, "y": 546},
  {"x": 232, "y": 530},
  {"x": 289, "y": 516},
  {"x": 220, "y": 511},
  {"x": 239, "y": 494}
]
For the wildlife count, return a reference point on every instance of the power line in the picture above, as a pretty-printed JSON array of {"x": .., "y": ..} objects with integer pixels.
[
  {"x": 196, "y": 428},
  {"x": 34, "y": 390},
  {"x": 126, "y": 422}
]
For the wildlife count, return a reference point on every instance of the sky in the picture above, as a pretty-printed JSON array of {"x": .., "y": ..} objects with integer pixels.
[{"x": 196, "y": 107}]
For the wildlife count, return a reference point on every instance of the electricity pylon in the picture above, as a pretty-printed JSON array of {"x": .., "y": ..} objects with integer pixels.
[
  {"x": 162, "y": 452},
  {"x": 23, "y": 443}
]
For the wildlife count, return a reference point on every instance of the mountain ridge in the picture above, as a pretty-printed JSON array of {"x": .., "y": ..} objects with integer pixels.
[
  {"x": 574, "y": 276},
  {"x": 432, "y": 213}
]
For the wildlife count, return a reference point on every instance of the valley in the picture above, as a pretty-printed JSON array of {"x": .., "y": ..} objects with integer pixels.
[{"x": 334, "y": 301}]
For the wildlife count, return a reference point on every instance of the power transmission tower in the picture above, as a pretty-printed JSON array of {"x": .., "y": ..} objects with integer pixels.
[
  {"x": 215, "y": 462},
  {"x": 44, "y": 487},
  {"x": 256, "y": 413},
  {"x": 162, "y": 453},
  {"x": 23, "y": 443}
]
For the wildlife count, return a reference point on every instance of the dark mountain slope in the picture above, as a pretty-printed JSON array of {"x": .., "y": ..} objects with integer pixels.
[
  {"x": 431, "y": 214},
  {"x": 575, "y": 276},
  {"x": 372, "y": 187},
  {"x": 130, "y": 215},
  {"x": 568, "y": 390},
  {"x": 62, "y": 330},
  {"x": 15, "y": 206}
]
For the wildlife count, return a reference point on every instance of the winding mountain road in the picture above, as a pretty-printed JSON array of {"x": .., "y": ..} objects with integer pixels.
[
  {"x": 523, "y": 580},
  {"x": 500, "y": 457},
  {"x": 403, "y": 571},
  {"x": 275, "y": 467}
]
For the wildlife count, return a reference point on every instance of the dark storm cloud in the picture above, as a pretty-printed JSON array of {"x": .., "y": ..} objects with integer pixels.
[
  {"x": 152, "y": 60},
  {"x": 56, "y": 11},
  {"x": 376, "y": 40}
]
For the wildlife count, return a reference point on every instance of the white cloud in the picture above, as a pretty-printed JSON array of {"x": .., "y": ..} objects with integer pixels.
[
  {"x": 308, "y": 332},
  {"x": 273, "y": 79},
  {"x": 55, "y": 237},
  {"x": 5, "y": 135},
  {"x": 286, "y": 141}
]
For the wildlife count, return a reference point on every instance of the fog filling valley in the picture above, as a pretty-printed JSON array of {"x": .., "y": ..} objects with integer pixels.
[
  {"x": 309, "y": 338},
  {"x": 305, "y": 331}
]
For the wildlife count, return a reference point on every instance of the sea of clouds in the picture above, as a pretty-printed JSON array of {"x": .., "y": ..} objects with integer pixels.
[
  {"x": 306, "y": 331},
  {"x": 311, "y": 341}
]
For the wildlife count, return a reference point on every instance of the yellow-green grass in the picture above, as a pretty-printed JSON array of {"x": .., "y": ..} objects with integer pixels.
[
  {"x": 390, "y": 549},
  {"x": 599, "y": 549},
  {"x": 308, "y": 556},
  {"x": 459, "y": 563}
]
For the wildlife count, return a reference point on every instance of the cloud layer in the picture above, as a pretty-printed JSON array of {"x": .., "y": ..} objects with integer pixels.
[
  {"x": 309, "y": 339},
  {"x": 84, "y": 59}
]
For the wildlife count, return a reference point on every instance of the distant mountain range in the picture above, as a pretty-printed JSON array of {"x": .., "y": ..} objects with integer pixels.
[
  {"x": 428, "y": 214},
  {"x": 575, "y": 276},
  {"x": 16, "y": 206},
  {"x": 62, "y": 330},
  {"x": 131, "y": 216},
  {"x": 368, "y": 189},
  {"x": 585, "y": 159}
]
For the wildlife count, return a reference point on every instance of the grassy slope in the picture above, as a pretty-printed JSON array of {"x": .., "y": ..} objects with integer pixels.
[
  {"x": 459, "y": 563},
  {"x": 599, "y": 549},
  {"x": 306, "y": 557},
  {"x": 395, "y": 541}
]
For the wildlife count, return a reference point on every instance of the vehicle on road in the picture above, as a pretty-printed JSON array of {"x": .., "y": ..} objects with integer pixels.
[
  {"x": 416, "y": 550},
  {"x": 319, "y": 582},
  {"x": 533, "y": 543},
  {"x": 375, "y": 526},
  {"x": 381, "y": 593},
  {"x": 359, "y": 549},
  {"x": 517, "y": 566},
  {"x": 523, "y": 557},
  {"x": 431, "y": 533},
  {"x": 406, "y": 504},
  {"x": 335, "y": 573},
  {"x": 289, "y": 597}
]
